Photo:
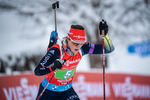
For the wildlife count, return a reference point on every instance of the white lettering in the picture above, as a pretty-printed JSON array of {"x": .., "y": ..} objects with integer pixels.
[
  {"x": 33, "y": 89},
  {"x": 52, "y": 51},
  {"x": 129, "y": 90},
  {"x": 45, "y": 60},
  {"x": 8, "y": 94},
  {"x": 117, "y": 89},
  {"x": 25, "y": 87},
  {"x": 22, "y": 92},
  {"x": 14, "y": 93},
  {"x": 90, "y": 89},
  {"x": 19, "y": 92},
  {"x": 67, "y": 63}
]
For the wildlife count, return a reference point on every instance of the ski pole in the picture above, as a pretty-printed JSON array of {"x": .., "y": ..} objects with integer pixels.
[
  {"x": 45, "y": 86},
  {"x": 54, "y": 38},
  {"x": 54, "y": 6},
  {"x": 103, "y": 62},
  {"x": 62, "y": 62}
]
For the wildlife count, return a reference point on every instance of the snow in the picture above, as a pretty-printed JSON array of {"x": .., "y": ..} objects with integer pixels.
[
  {"x": 25, "y": 29},
  {"x": 128, "y": 63}
]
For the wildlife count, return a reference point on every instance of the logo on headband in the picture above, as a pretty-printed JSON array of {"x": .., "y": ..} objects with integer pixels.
[
  {"x": 76, "y": 34},
  {"x": 79, "y": 37}
]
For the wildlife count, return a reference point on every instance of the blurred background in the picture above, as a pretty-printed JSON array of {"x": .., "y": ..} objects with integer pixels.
[{"x": 25, "y": 27}]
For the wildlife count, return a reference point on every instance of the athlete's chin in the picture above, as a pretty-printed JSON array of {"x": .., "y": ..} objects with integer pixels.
[{"x": 75, "y": 51}]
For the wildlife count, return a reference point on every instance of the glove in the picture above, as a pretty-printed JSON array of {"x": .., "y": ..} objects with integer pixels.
[
  {"x": 53, "y": 38},
  {"x": 103, "y": 26},
  {"x": 58, "y": 64}
]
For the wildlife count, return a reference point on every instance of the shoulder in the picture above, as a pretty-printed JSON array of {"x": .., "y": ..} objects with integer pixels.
[
  {"x": 86, "y": 45},
  {"x": 54, "y": 50},
  {"x": 56, "y": 46}
]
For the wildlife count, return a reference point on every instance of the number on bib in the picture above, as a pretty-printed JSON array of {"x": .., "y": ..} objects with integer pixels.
[
  {"x": 68, "y": 73},
  {"x": 64, "y": 74}
]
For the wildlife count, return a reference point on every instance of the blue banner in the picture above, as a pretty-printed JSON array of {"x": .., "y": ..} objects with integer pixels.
[{"x": 143, "y": 48}]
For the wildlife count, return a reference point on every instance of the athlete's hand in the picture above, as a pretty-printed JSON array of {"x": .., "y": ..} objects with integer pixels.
[
  {"x": 53, "y": 38},
  {"x": 58, "y": 64},
  {"x": 103, "y": 26}
]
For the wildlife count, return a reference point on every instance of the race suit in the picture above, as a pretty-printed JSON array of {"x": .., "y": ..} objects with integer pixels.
[{"x": 62, "y": 80}]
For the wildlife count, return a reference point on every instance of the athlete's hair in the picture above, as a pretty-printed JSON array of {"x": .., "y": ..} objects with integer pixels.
[{"x": 77, "y": 27}]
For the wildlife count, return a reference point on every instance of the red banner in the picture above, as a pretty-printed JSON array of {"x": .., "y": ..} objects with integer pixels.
[
  {"x": 89, "y": 86},
  {"x": 19, "y": 87}
]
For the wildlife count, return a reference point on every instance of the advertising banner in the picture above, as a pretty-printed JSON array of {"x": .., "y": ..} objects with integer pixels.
[
  {"x": 141, "y": 48},
  {"x": 88, "y": 85},
  {"x": 118, "y": 86}
]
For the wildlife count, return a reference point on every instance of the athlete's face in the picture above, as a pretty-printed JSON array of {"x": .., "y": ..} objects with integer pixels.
[{"x": 75, "y": 45}]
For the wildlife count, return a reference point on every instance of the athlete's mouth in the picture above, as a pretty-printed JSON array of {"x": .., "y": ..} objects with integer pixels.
[{"x": 76, "y": 49}]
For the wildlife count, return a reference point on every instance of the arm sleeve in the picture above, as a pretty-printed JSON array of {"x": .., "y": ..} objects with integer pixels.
[
  {"x": 43, "y": 67},
  {"x": 89, "y": 48}
]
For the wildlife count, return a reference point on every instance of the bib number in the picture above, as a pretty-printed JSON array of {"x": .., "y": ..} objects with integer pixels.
[
  {"x": 68, "y": 73},
  {"x": 60, "y": 74}
]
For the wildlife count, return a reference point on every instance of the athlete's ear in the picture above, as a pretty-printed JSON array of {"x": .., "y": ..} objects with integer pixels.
[{"x": 68, "y": 38}]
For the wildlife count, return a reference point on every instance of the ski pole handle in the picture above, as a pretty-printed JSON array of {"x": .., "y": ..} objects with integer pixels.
[{"x": 55, "y": 5}]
